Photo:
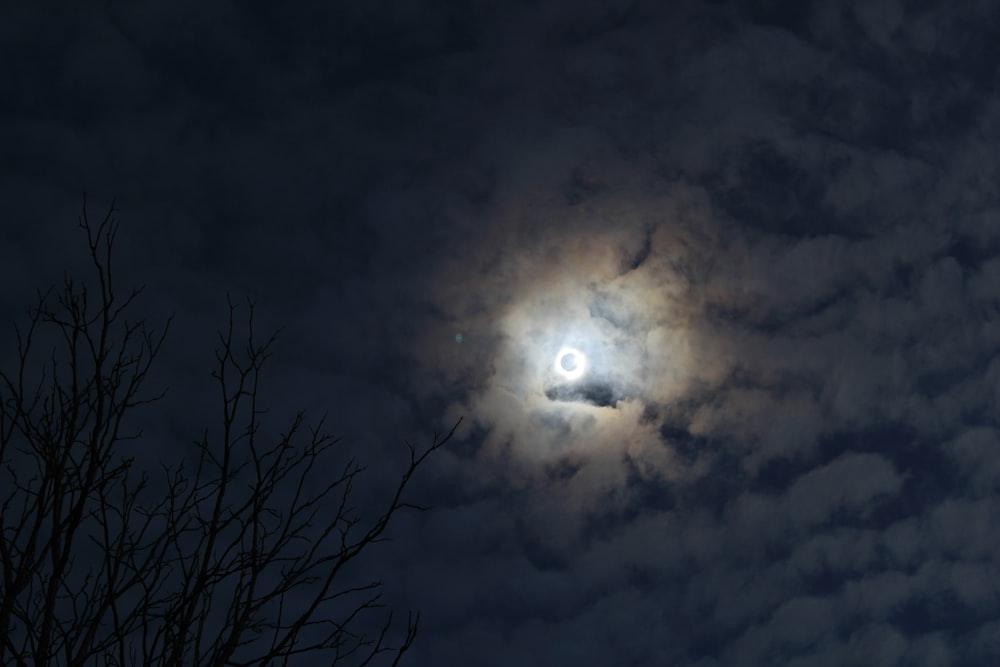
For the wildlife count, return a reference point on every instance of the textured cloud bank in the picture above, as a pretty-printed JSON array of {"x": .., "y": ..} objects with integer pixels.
[
  {"x": 792, "y": 315},
  {"x": 773, "y": 229}
]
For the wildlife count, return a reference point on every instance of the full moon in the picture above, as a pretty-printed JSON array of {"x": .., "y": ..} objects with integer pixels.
[{"x": 570, "y": 363}]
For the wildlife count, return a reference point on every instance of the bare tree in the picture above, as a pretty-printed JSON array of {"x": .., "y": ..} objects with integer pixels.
[{"x": 237, "y": 558}]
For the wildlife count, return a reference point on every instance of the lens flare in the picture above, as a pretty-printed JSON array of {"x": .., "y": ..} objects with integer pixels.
[{"x": 570, "y": 363}]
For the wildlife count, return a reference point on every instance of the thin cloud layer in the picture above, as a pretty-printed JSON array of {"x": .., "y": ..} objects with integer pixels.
[
  {"x": 772, "y": 229},
  {"x": 793, "y": 325}
]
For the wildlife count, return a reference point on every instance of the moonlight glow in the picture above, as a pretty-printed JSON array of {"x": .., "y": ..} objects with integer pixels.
[{"x": 570, "y": 363}]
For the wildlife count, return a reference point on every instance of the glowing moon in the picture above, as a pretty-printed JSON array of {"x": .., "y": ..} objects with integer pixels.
[{"x": 570, "y": 363}]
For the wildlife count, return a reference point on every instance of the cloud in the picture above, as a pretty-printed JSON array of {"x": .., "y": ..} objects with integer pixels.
[
  {"x": 800, "y": 282},
  {"x": 771, "y": 230}
]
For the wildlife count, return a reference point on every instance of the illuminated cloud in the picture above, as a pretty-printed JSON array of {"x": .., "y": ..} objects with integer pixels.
[{"x": 769, "y": 227}]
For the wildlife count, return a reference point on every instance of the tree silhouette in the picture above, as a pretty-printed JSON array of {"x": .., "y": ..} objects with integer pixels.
[{"x": 239, "y": 558}]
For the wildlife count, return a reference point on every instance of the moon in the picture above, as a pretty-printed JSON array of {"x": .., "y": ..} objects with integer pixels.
[{"x": 570, "y": 363}]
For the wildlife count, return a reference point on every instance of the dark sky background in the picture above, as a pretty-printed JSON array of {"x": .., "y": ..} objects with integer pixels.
[{"x": 771, "y": 226}]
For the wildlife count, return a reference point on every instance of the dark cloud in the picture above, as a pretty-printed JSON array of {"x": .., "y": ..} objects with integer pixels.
[
  {"x": 769, "y": 226},
  {"x": 589, "y": 392}
]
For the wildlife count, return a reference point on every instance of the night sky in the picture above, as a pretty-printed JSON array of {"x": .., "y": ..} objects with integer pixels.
[{"x": 772, "y": 229}]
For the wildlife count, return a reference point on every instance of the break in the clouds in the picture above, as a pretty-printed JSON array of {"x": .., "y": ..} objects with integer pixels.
[{"x": 770, "y": 228}]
